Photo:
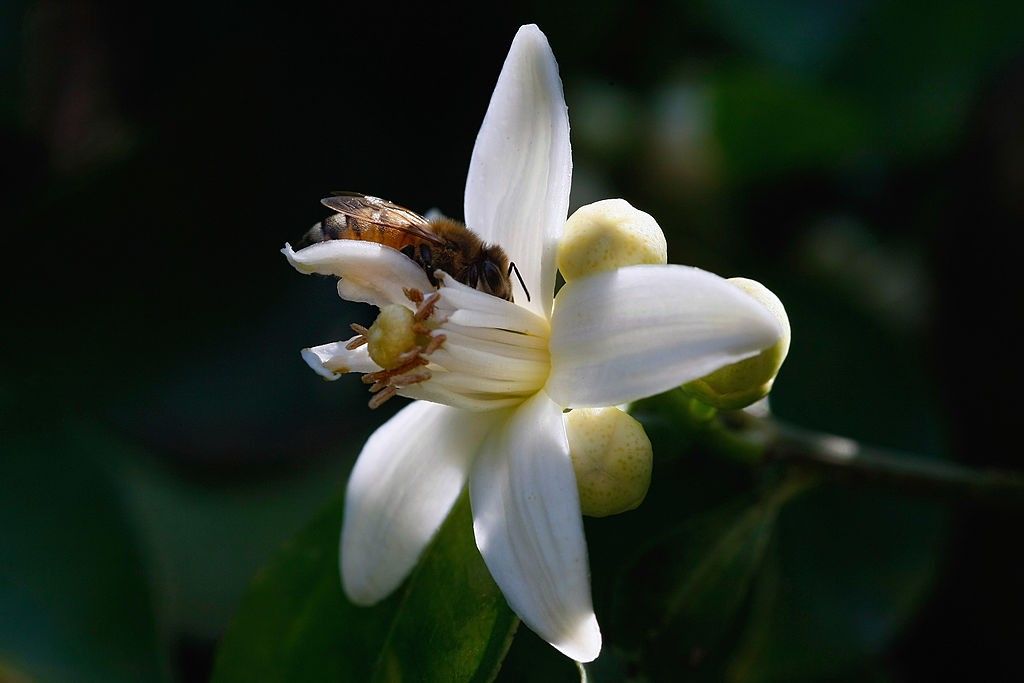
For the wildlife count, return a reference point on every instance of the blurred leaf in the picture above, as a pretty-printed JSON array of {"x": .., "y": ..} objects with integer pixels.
[
  {"x": 682, "y": 596},
  {"x": 768, "y": 123},
  {"x": 918, "y": 65},
  {"x": 532, "y": 659},
  {"x": 848, "y": 566},
  {"x": 848, "y": 569},
  {"x": 204, "y": 540},
  {"x": 74, "y": 600},
  {"x": 448, "y": 622},
  {"x": 799, "y": 34}
]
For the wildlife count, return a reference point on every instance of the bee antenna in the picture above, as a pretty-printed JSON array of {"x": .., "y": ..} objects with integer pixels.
[{"x": 512, "y": 267}]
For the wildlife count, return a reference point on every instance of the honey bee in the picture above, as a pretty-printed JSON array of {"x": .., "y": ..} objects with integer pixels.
[{"x": 434, "y": 244}]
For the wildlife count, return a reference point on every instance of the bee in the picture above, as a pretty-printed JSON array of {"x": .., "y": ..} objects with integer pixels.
[{"x": 434, "y": 244}]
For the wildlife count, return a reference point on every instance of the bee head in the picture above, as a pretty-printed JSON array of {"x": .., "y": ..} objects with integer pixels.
[{"x": 489, "y": 274}]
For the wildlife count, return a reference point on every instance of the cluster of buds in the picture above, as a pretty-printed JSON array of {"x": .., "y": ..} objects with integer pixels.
[{"x": 612, "y": 456}]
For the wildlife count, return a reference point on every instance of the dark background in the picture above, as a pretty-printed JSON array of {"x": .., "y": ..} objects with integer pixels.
[{"x": 161, "y": 436}]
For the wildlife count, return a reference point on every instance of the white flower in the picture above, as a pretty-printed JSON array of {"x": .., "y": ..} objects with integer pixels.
[{"x": 497, "y": 375}]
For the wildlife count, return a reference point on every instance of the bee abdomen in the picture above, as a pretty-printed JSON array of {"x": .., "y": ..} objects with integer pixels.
[
  {"x": 335, "y": 227},
  {"x": 339, "y": 226}
]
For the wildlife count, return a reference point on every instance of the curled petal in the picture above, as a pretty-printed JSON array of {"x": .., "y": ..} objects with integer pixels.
[
  {"x": 637, "y": 331},
  {"x": 517, "y": 192},
  {"x": 331, "y": 361},
  {"x": 405, "y": 481},
  {"x": 369, "y": 272},
  {"x": 528, "y": 526}
]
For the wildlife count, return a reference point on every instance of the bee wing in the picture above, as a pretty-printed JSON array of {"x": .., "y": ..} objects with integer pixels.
[{"x": 383, "y": 213}]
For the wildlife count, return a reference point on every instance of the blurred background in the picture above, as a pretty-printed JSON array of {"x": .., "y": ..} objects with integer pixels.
[{"x": 160, "y": 436}]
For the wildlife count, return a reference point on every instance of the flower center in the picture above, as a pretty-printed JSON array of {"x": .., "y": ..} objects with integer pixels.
[
  {"x": 477, "y": 351},
  {"x": 399, "y": 341}
]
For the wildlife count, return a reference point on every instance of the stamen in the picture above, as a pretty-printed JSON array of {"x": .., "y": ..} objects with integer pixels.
[
  {"x": 409, "y": 355},
  {"x": 410, "y": 368},
  {"x": 426, "y": 309},
  {"x": 356, "y": 342},
  {"x": 414, "y": 377},
  {"x": 380, "y": 399},
  {"x": 373, "y": 377},
  {"x": 434, "y": 344}
]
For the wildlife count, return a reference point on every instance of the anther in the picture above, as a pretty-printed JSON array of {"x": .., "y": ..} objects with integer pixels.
[
  {"x": 381, "y": 398},
  {"x": 356, "y": 342},
  {"x": 409, "y": 355},
  {"x": 426, "y": 309},
  {"x": 414, "y": 377},
  {"x": 434, "y": 344},
  {"x": 379, "y": 376},
  {"x": 413, "y": 295},
  {"x": 359, "y": 329}
]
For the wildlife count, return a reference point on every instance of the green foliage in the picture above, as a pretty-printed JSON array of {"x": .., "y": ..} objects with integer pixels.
[
  {"x": 846, "y": 572},
  {"x": 769, "y": 123},
  {"x": 684, "y": 593},
  {"x": 448, "y": 622},
  {"x": 75, "y": 604}
]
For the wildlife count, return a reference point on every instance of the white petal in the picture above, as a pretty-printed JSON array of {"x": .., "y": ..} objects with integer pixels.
[
  {"x": 467, "y": 306},
  {"x": 637, "y": 331},
  {"x": 517, "y": 193},
  {"x": 369, "y": 272},
  {"x": 528, "y": 526},
  {"x": 331, "y": 361},
  {"x": 406, "y": 479},
  {"x": 478, "y": 402}
]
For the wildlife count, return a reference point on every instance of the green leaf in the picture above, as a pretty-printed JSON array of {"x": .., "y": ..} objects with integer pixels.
[
  {"x": 686, "y": 592},
  {"x": 769, "y": 123},
  {"x": 448, "y": 621},
  {"x": 75, "y": 602},
  {"x": 803, "y": 36},
  {"x": 847, "y": 570}
]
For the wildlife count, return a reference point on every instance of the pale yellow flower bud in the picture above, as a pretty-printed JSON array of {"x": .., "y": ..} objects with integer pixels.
[
  {"x": 611, "y": 456},
  {"x": 606, "y": 235},
  {"x": 741, "y": 384},
  {"x": 390, "y": 336}
]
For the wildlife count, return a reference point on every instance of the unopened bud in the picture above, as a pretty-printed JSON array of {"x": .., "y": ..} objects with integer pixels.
[
  {"x": 391, "y": 335},
  {"x": 741, "y": 384},
  {"x": 611, "y": 456},
  {"x": 606, "y": 235}
]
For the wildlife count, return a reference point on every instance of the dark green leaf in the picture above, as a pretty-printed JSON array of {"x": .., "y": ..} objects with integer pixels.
[
  {"x": 848, "y": 569},
  {"x": 686, "y": 592},
  {"x": 448, "y": 622},
  {"x": 75, "y": 603},
  {"x": 769, "y": 123},
  {"x": 804, "y": 36}
]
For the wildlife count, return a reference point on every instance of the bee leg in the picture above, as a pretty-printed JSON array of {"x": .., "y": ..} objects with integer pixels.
[{"x": 409, "y": 251}]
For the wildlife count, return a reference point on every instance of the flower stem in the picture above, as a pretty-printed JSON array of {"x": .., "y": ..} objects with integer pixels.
[{"x": 839, "y": 458}]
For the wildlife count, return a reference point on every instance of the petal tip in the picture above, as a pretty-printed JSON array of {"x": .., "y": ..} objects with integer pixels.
[
  {"x": 316, "y": 363},
  {"x": 531, "y": 31},
  {"x": 359, "y": 593},
  {"x": 584, "y": 644}
]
